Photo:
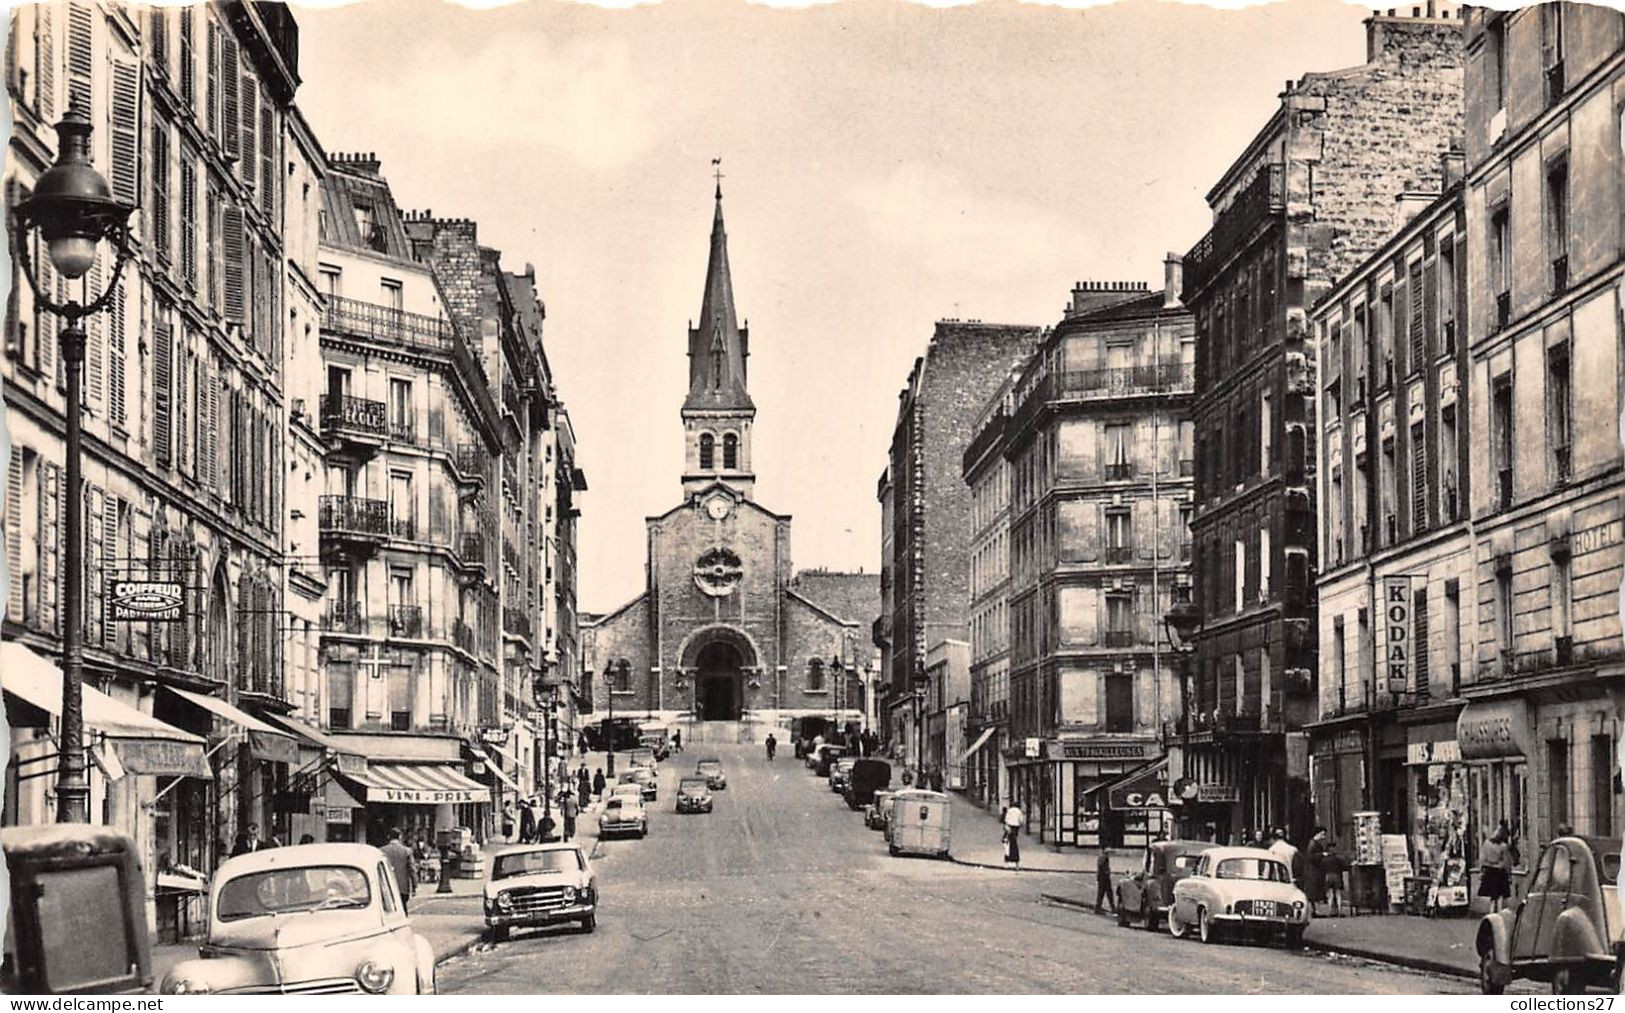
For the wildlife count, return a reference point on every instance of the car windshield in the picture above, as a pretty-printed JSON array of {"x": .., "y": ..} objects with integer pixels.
[
  {"x": 693, "y": 787},
  {"x": 527, "y": 862},
  {"x": 285, "y": 891},
  {"x": 621, "y": 803},
  {"x": 1184, "y": 865},
  {"x": 1253, "y": 868}
]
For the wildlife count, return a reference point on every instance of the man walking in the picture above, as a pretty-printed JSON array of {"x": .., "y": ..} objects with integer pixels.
[
  {"x": 527, "y": 822},
  {"x": 1287, "y": 853},
  {"x": 400, "y": 860},
  {"x": 567, "y": 808},
  {"x": 1103, "y": 880},
  {"x": 598, "y": 783}
]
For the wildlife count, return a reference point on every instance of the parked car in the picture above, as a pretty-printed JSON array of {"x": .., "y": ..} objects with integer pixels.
[
  {"x": 825, "y": 756},
  {"x": 865, "y": 779},
  {"x": 306, "y": 920},
  {"x": 838, "y": 773},
  {"x": 95, "y": 868},
  {"x": 1566, "y": 930},
  {"x": 630, "y": 790},
  {"x": 711, "y": 769},
  {"x": 623, "y": 814},
  {"x": 540, "y": 884},
  {"x": 1145, "y": 896},
  {"x": 646, "y": 779},
  {"x": 656, "y": 738},
  {"x": 643, "y": 757},
  {"x": 1242, "y": 891},
  {"x": 618, "y": 733},
  {"x": 874, "y": 814},
  {"x": 919, "y": 823},
  {"x": 694, "y": 795}
]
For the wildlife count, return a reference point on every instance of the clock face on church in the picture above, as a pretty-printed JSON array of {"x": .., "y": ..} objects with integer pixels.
[
  {"x": 718, "y": 572},
  {"x": 719, "y": 507}
]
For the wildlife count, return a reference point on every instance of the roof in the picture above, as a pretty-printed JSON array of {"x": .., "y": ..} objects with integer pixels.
[
  {"x": 717, "y": 344},
  {"x": 525, "y": 849},
  {"x": 852, "y": 597},
  {"x": 1220, "y": 853},
  {"x": 354, "y": 181}
]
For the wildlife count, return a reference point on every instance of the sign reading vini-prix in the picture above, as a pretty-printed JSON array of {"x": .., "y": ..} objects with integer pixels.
[
  {"x": 146, "y": 601},
  {"x": 1396, "y": 611}
]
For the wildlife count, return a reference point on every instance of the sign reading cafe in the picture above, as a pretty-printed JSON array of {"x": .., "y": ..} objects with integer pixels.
[
  {"x": 146, "y": 601},
  {"x": 1396, "y": 611}
]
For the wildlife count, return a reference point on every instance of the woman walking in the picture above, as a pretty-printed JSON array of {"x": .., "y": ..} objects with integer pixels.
[
  {"x": 598, "y": 784},
  {"x": 1494, "y": 879},
  {"x": 1012, "y": 829},
  {"x": 1314, "y": 873}
]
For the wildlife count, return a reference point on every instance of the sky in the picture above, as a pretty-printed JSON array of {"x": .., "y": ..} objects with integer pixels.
[{"x": 886, "y": 165}]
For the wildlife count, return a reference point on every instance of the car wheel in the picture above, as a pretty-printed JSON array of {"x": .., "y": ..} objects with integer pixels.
[
  {"x": 893, "y": 849},
  {"x": 499, "y": 934},
  {"x": 1566, "y": 982},
  {"x": 1294, "y": 937},
  {"x": 1205, "y": 928},
  {"x": 1486, "y": 975},
  {"x": 1176, "y": 928},
  {"x": 590, "y": 922}
]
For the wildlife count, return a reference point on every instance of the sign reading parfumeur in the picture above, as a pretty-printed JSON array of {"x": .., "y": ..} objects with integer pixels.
[{"x": 146, "y": 601}]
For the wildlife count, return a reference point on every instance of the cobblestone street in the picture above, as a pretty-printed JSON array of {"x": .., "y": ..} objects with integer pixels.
[{"x": 782, "y": 890}]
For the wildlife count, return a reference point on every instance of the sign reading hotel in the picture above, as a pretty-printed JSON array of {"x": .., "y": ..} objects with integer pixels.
[
  {"x": 146, "y": 601},
  {"x": 1396, "y": 611}
]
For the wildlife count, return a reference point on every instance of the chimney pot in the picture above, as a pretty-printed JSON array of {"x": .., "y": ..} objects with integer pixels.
[{"x": 1173, "y": 280}]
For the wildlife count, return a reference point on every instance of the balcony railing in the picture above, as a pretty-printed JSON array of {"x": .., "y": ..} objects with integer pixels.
[
  {"x": 1119, "y": 472},
  {"x": 471, "y": 548},
  {"x": 1563, "y": 459},
  {"x": 345, "y": 415},
  {"x": 406, "y": 620},
  {"x": 1119, "y": 380},
  {"x": 388, "y": 325},
  {"x": 516, "y": 621},
  {"x": 1118, "y": 638},
  {"x": 470, "y": 460},
  {"x": 354, "y": 515},
  {"x": 404, "y": 431},
  {"x": 403, "y": 526},
  {"x": 345, "y": 617},
  {"x": 1187, "y": 468},
  {"x": 1264, "y": 196},
  {"x": 1119, "y": 553},
  {"x": 462, "y": 635}
]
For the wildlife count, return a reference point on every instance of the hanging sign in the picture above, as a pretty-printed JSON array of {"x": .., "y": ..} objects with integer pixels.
[
  {"x": 146, "y": 601},
  {"x": 1396, "y": 610}
]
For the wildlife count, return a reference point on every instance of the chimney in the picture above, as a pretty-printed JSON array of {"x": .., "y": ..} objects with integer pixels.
[
  {"x": 1173, "y": 280},
  {"x": 1412, "y": 202},
  {"x": 1452, "y": 167}
]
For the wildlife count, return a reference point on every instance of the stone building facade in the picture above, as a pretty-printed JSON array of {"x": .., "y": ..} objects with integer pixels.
[
  {"x": 1310, "y": 197},
  {"x": 725, "y": 631}
]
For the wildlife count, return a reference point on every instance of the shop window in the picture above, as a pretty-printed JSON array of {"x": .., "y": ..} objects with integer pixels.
[
  {"x": 1603, "y": 768},
  {"x": 1557, "y": 782}
]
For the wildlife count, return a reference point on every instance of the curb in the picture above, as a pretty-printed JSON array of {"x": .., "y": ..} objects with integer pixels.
[
  {"x": 1395, "y": 959},
  {"x": 459, "y": 949},
  {"x": 1019, "y": 868}
]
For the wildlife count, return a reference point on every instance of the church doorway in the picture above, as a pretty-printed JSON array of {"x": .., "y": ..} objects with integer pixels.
[{"x": 720, "y": 682}]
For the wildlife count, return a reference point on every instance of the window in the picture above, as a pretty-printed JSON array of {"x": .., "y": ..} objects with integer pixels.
[
  {"x": 1119, "y": 620},
  {"x": 1495, "y": 55},
  {"x": 400, "y": 698},
  {"x": 1334, "y": 518},
  {"x": 1450, "y": 494},
  {"x": 1419, "y": 479},
  {"x": 1562, "y": 596},
  {"x": 1559, "y": 411},
  {"x": 1502, "y": 436},
  {"x": 1501, "y": 265},
  {"x": 1264, "y": 562},
  {"x": 402, "y": 506},
  {"x": 1418, "y": 336},
  {"x": 1118, "y": 464},
  {"x": 340, "y": 695},
  {"x": 730, "y": 451},
  {"x": 1558, "y": 782},
  {"x": 623, "y": 676},
  {"x": 1386, "y": 480},
  {"x": 1185, "y": 513},
  {"x": 1240, "y": 564},
  {"x": 708, "y": 451},
  {"x": 1603, "y": 766},
  {"x": 392, "y": 294},
  {"x": 1447, "y": 296},
  {"x": 815, "y": 674},
  {"x": 1266, "y": 420},
  {"x": 1119, "y": 703},
  {"x": 366, "y": 229},
  {"x": 1119, "y": 535},
  {"x": 1339, "y": 658},
  {"x": 1551, "y": 49},
  {"x": 1503, "y": 613},
  {"x": 401, "y": 416},
  {"x": 1419, "y": 639},
  {"x": 1452, "y": 633},
  {"x": 331, "y": 277},
  {"x": 1557, "y": 216},
  {"x": 1385, "y": 338}
]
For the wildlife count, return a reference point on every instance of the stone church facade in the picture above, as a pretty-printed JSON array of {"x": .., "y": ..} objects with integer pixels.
[{"x": 725, "y": 630}]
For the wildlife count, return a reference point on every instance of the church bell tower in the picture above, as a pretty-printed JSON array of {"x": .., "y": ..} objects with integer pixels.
[{"x": 718, "y": 413}]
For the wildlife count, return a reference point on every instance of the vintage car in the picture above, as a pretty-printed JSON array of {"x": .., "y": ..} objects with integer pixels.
[
  {"x": 694, "y": 794},
  {"x": 540, "y": 884},
  {"x": 1144, "y": 896},
  {"x": 1242, "y": 891},
  {"x": 1567, "y": 928},
  {"x": 711, "y": 769},
  {"x": 623, "y": 814},
  {"x": 825, "y": 756},
  {"x": 874, "y": 814},
  {"x": 839, "y": 771},
  {"x": 312, "y": 919},
  {"x": 867, "y": 777},
  {"x": 647, "y": 781},
  {"x": 630, "y": 789}
]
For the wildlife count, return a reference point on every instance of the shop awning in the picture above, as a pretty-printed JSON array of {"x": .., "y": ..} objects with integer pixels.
[
  {"x": 348, "y": 760},
  {"x": 1145, "y": 788},
  {"x": 482, "y": 754},
  {"x": 419, "y": 784},
  {"x": 264, "y": 742},
  {"x": 981, "y": 740},
  {"x": 143, "y": 744}
]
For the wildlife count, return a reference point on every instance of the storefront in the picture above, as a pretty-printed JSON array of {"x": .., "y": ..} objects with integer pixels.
[
  {"x": 1083, "y": 768},
  {"x": 1206, "y": 797},
  {"x": 983, "y": 769},
  {"x": 1133, "y": 809},
  {"x": 1338, "y": 776},
  {"x": 1495, "y": 739},
  {"x": 247, "y": 792},
  {"x": 415, "y": 783},
  {"x": 311, "y": 786}
]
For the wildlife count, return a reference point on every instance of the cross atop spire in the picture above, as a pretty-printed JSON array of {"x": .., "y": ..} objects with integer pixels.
[{"x": 716, "y": 170}]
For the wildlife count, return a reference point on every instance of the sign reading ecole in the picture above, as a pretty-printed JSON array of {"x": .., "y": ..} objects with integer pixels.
[{"x": 1396, "y": 610}]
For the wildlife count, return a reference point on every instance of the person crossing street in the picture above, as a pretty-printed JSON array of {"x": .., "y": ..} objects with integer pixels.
[{"x": 772, "y": 745}]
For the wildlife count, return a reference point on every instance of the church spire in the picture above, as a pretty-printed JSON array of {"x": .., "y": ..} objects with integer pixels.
[{"x": 718, "y": 346}]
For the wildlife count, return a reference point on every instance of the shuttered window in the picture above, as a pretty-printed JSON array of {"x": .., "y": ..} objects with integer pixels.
[
  {"x": 161, "y": 238},
  {"x": 189, "y": 220},
  {"x": 1419, "y": 641},
  {"x": 232, "y": 263},
  {"x": 50, "y": 525},
  {"x": 112, "y": 562},
  {"x": 1418, "y": 344},
  {"x": 91, "y": 561},
  {"x": 94, "y": 377},
  {"x": 81, "y": 55},
  {"x": 230, "y": 122},
  {"x": 211, "y": 100},
  {"x": 44, "y": 63},
  {"x": 14, "y": 534},
  {"x": 249, "y": 165},
  {"x": 123, "y": 117},
  {"x": 212, "y": 450},
  {"x": 213, "y": 248},
  {"x": 1419, "y": 483},
  {"x": 188, "y": 67},
  {"x": 182, "y": 366},
  {"x": 116, "y": 411},
  {"x": 158, "y": 40},
  {"x": 268, "y": 160},
  {"x": 162, "y": 381}
]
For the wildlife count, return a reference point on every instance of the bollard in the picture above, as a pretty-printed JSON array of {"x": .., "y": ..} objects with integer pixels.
[{"x": 445, "y": 872}]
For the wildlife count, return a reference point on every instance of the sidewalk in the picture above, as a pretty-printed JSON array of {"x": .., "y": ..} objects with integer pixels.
[{"x": 978, "y": 840}]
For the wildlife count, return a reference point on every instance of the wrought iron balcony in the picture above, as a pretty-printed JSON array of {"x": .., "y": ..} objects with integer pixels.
[
  {"x": 471, "y": 548},
  {"x": 406, "y": 621},
  {"x": 403, "y": 525},
  {"x": 387, "y": 325},
  {"x": 462, "y": 635},
  {"x": 1116, "y": 554},
  {"x": 1164, "y": 377},
  {"x": 404, "y": 430},
  {"x": 353, "y": 518},
  {"x": 516, "y": 621},
  {"x": 1119, "y": 472},
  {"x": 345, "y": 617},
  {"x": 471, "y": 461},
  {"x": 354, "y": 418},
  {"x": 1261, "y": 198},
  {"x": 1118, "y": 638}
]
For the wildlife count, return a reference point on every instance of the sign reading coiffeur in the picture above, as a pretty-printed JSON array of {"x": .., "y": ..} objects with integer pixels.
[{"x": 146, "y": 601}]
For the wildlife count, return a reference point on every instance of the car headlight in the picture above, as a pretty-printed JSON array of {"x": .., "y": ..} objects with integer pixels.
[
  {"x": 183, "y": 986},
  {"x": 569, "y": 895},
  {"x": 374, "y": 977},
  {"x": 504, "y": 900},
  {"x": 1297, "y": 908}
]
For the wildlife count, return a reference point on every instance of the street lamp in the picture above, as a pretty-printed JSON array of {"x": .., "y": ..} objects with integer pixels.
[
  {"x": 1181, "y": 624},
  {"x": 624, "y": 670},
  {"x": 74, "y": 210},
  {"x": 547, "y": 699},
  {"x": 921, "y": 681}
]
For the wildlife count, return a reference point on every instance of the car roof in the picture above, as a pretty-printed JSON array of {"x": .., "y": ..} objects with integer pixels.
[
  {"x": 525, "y": 849},
  {"x": 298, "y": 856},
  {"x": 1182, "y": 847},
  {"x": 1218, "y": 854},
  {"x": 710, "y": 759}
]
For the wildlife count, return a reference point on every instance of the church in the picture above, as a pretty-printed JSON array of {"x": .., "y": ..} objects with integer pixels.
[{"x": 725, "y": 630}]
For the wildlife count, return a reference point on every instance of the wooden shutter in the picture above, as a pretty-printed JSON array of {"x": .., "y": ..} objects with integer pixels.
[
  {"x": 13, "y": 81},
  {"x": 116, "y": 357},
  {"x": 81, "y": 55},
  {"x": 111, "y": 563},
  {"x": 1419, "y": 638},
  {"x": 14, "y": 534},
  {"x": 46, "y": 323},
  {"x": 232, "y": 262},
  {"x": 44, "y": 63},
  {"x": 249, "y": 167},
  {"x": 268, "y": 160},
  {"x": 188, "y": 68},
  {"x": 94, "y": 378},
  {"x": 189, "y": 220},
  {"x": 211, "y": 101},
  {"x": 212, "y": 451},
  {"x": 182, "y": 368},
  {"x": 1419, "y": 482},
  {"x": 161, "y": 386},
  {"x": 160, "y": 191},
  {"x": 124, "y": 113},
  {"x": 230, "y": 122},
  {"x": 50, "y": 529},
  {"x": 91, "y": 511},
  {"x": 1418, "y": 352},
  {"x": 158, "y": 40}
]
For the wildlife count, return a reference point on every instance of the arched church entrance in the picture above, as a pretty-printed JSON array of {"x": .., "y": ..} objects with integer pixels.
[{"x": 719, "y": 659}]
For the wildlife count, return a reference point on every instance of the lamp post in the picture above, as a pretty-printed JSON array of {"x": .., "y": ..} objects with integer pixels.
[
  {"x": 837, "y": 671},
  {"x": 1181, "y": 624},
  {"x": 74, "y": 210},
  {"x": 547, "y": 699},
  {"x": 624, "y": 670},
  {"x": 921, "y": 681}
]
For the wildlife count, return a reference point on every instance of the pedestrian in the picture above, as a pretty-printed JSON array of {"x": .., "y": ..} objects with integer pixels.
[
  {"x": 1336, "y": 867},
  {"x": 1012, "y": 821},
  {"x": 598, "y": 784},
  {"x": 544, "y": 831},
  {"x": 400, "y": 860},
  {"x": 1314, "y": 880},
  {"x": 1286, "y": 852},
  {"x": 583, "y": 785},
  {"x": 1103, "y": 880},
  {"x": 507, "y": 822},
  {"x": 527, "y": 822},
  {"x": 772, "y": 745},
  {"x": 1494, "y": 879},
  {"x": 568, "y": 810},
  {"x": 581, "y": 745},
  {"x": 677, "y": 741},
  {"x": 241, "y": 845}
]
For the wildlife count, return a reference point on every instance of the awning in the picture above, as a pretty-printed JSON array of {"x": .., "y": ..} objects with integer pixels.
[
  {"x": 346, "y": 759},
  {"x": 144, "y": 745},
  {"x": 184, "y": 884},
  {"x": 427, "y": 784},
  {"x": 482, "y": 755},
  {"x": 1145, "y": 788},
  {"x": 981, "y": 740},
  {"x": 264, "y": 742},
  {"x": 1490, "y": 730}
]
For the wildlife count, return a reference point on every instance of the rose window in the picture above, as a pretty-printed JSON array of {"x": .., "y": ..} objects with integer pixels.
[{"x": 718, "y": 572}]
